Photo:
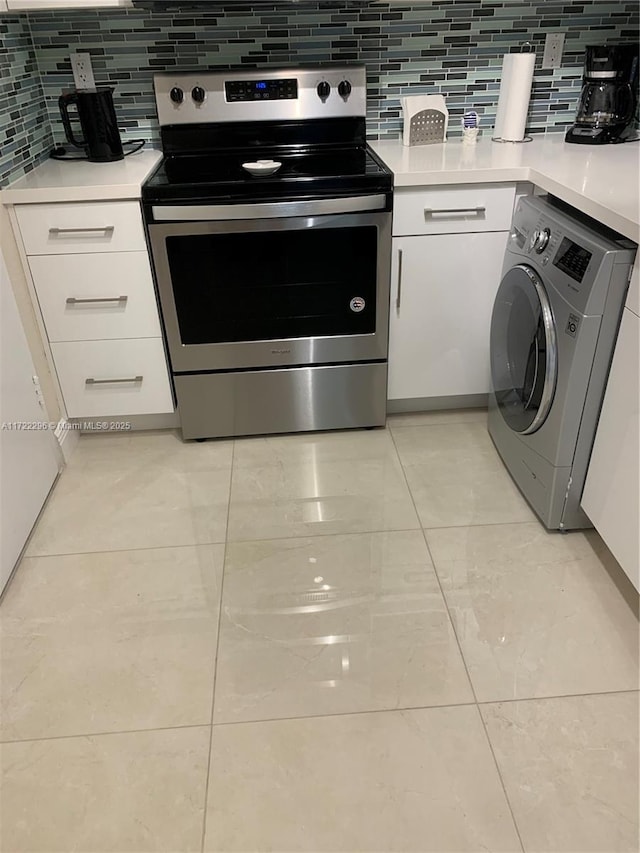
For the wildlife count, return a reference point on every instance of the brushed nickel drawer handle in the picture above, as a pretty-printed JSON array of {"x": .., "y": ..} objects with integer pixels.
[
  {"x": 107, "y": 229},
  {"x": 112, "y": 381},
  {"x": 73, "y": 300},
  {"x": 430, "y": 211}
]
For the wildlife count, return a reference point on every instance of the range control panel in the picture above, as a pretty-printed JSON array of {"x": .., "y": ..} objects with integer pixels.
[
  {"x": 323, "y": 91},
  {"x": 261, "y": 90}
]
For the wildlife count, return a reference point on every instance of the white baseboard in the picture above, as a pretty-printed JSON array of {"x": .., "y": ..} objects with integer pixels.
[{"x": 67, "y": 437}]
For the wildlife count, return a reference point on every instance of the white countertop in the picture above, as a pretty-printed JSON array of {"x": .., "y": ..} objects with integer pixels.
[
  {"x": 83, "y": 181},
  {"x": 602, "y": 181}
]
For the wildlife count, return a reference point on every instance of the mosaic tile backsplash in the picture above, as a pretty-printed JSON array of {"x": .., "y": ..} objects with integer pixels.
[
  {"x": 25, "y": 130},
  {"x": 449, "y": 47}
]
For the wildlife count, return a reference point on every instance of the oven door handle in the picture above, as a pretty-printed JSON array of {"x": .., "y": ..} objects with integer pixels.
[{"x": 266, "y": 210}]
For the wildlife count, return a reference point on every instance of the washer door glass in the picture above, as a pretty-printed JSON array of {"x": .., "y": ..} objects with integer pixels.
[{"x": 523, "y": 350}]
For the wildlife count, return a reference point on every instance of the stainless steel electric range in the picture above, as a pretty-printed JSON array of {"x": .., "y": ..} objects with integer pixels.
[{"x": 273, "y": 280}]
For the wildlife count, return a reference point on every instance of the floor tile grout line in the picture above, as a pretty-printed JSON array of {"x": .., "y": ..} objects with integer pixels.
[
  {"x": 475, "y": 696},
  {"x": 464, "y": 662},
  {"x": 274, "y": 538},
  {"x": 215, "y": 661},
  {"x": 120, "y": 550},
  {"x": 360, "y": 711},
  {"x": 105, "y": 734},
  {"x": 534, "y": 521},
  {"x": 499, "y": 771},
  {"x": 9, "y": 741},
  {"x": 560, "y": 696}
]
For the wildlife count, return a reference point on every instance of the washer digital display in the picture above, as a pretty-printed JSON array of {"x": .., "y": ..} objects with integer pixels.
[{"x": 572, "y": 259}]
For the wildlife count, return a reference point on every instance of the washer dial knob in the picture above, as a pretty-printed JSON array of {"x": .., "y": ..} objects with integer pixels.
[
  {"x": 535, "y": 236},
  {"x": 543, "y": 239},
  {"x": 176, "y": 95},
  {"x": 198, "y": 94},
  {"x": 344, "y": 89},
  {"x": 323, "y": 90}
]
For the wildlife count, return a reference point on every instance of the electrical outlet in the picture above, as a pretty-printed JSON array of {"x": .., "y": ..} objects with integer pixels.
[
  {"x": 552, "y": 57},
  {"x": 82, "y": 71}
]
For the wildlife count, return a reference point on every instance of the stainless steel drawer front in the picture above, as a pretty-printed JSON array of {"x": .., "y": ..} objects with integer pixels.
[{"x": 256, "y": 402}]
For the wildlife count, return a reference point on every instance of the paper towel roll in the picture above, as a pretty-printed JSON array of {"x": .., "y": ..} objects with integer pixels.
[{"x": 515, "y": 93}]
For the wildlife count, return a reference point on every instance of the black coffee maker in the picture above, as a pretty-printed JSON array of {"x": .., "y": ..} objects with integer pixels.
[
  {"x": 100, "y": 135},
  {"x": 609, "y": 95}
]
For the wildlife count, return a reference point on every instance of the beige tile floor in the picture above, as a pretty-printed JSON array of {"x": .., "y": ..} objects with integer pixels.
[{"x": 354, "y": 641}]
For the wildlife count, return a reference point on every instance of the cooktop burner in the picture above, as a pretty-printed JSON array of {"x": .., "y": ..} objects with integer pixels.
[{"x": 218, "y": 176}]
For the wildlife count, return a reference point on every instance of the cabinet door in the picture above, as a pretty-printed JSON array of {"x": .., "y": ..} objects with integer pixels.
[
  {"x": 442, "y": 292},
  {"x": 611, "y": 494},
  {"x": 29, "y": 457}
]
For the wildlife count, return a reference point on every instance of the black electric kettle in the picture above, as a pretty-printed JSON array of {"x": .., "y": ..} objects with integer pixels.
[{"x": 100, "y": 135}]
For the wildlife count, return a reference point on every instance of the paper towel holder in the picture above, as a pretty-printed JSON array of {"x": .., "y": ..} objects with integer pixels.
[{"x": 525, "y": 47}]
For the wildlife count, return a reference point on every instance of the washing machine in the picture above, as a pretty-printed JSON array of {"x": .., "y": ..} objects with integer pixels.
[{"x": 553, "y": 330}]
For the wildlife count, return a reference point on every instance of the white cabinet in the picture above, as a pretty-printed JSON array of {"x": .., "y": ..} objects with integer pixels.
[
  {"x": 29, "y": 457},
  {"x": 3, "y": 6},
  {"x": 92, "y": 277},
  {"x": 36, "y": 5},
  {"x": 611, "y": 495},
  {"x": 442, "y": 289}
]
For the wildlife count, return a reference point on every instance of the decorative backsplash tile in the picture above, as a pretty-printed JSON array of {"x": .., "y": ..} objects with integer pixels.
[
  {"x": 25, "y": 131},
  {"x": 449, "y": 47}
]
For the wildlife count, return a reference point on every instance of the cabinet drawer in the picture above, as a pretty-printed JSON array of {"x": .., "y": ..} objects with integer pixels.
[
  {"x": 126, "y": 377},
  {"x": 52, "y": 229},
  {"x": 93, "y": 297},
  {"x": 457, "y": 209}
]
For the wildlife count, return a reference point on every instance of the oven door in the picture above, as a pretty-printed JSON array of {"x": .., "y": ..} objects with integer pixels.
[{"x": 275, "y": 290}]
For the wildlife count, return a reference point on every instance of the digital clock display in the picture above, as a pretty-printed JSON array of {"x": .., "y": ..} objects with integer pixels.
[{"x": 261, "y": 90}]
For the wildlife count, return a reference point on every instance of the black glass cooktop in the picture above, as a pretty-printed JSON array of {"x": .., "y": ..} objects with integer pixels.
[{"x": 339, "y": 171}]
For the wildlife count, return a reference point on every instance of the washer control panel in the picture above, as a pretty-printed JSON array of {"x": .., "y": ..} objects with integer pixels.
[{"x": 576, "y": 258}]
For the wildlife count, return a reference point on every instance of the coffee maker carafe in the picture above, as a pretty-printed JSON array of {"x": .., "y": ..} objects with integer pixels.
[
  {"x": 100, "y": 135},
  {"x": 609, "y": 95}
]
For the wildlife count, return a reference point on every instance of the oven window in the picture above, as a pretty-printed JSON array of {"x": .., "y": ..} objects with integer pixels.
[{"x": 270, "y": 285}]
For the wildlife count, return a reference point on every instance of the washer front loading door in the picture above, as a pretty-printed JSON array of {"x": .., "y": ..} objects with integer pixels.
[{"x": 524, "y": 356}]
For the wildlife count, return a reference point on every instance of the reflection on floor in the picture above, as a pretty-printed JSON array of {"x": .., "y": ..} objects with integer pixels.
[{"x": 354, "y": 641}]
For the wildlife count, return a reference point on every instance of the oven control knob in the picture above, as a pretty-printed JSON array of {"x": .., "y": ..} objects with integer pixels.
[
  {"x": 323, "y": 90},
  {"x": 344, "y": 89},
  {"x": 176, "y": 95},
  {"x": 198, "y": 94},
  {"x": 543, "y": 239}
]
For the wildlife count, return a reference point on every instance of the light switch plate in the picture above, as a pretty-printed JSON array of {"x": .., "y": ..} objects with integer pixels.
[{"x": 553, "y": 44}]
